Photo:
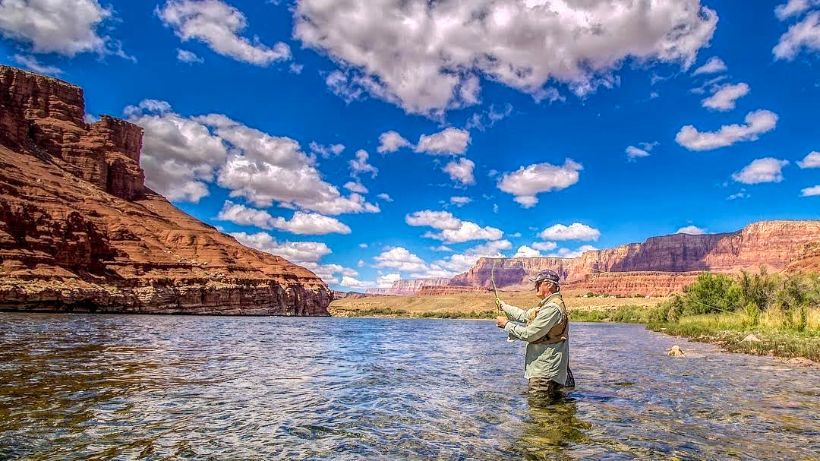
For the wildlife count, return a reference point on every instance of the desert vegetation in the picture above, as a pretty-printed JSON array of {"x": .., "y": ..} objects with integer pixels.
[{"x": 756, "y": 313}]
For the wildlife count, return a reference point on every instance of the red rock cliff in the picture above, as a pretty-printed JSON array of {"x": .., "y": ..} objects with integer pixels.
[
  {"x": 79, "y": 231},
  {"x": 409, "y": 287},
  {"x": 663, "y": 265}
]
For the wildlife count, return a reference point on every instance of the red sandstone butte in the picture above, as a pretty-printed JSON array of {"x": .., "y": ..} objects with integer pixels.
[
  {"x": 79, "y": 231},
  {"x": 659, "y": 266},
  {"x": 664, "y": 265}
]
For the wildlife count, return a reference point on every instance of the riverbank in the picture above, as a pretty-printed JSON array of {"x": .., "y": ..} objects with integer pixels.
[
  {"x": 729, "y": 330},
  {"x": 733, "y": 332},
  {"x": 473, "y": 305}
]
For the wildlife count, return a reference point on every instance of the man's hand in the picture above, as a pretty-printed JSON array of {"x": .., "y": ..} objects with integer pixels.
[
  {"x": 501, "y": 322},
  {"x": 498, "y": 303}
]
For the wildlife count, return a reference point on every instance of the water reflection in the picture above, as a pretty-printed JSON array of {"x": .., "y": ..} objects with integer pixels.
[
  {"x": 551, "y": 425},
  {"x": 79, "y": 387}
]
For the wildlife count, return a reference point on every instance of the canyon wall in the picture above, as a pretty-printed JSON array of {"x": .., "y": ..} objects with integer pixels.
[
  {"x": 409, "y": 287},
  {"x": 79, "y": 231},
  {"x": 663, "y": 265},
  {"x": 657, "y": 267}
]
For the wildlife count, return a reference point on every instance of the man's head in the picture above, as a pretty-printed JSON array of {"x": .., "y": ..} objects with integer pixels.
[{"x": 546, "y": 282}]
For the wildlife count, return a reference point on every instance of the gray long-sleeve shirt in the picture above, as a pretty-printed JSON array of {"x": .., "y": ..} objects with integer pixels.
[{"x": 541, "y": 360}]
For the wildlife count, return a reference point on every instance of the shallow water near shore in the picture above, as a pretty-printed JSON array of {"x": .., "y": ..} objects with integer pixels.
[{"x": 123, "y": 387}]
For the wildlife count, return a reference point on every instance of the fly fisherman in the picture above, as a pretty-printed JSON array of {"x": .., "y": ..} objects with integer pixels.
[{"x": 545, "y": 329}]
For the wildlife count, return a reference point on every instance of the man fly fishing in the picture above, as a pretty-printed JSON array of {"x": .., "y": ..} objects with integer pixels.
[{"x": 545, "y": 329}]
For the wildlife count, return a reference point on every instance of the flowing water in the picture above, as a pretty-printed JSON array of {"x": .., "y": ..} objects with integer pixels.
[{"x": 169, "y": 387}]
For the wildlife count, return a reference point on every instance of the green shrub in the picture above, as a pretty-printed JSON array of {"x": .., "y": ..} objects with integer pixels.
[
  {"x": 792, "y": 299},
  {"x": 711, "y": 293},
  {"x": 753, "y": 311},
  {"x": 758, "y": 289}
]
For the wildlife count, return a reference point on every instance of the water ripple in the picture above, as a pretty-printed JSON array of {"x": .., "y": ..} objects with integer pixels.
[{"x": 145, "y": 387}]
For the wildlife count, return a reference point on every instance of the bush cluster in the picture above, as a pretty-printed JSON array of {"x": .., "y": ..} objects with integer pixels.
[{"x": 787, "y": 296}]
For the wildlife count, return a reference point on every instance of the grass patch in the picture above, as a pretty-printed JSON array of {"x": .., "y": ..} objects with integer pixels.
[
  {"x": 388, "y": 312},
  {"x": 781, "y": 343},
  {"x": 458, "y": 315},
  {"x": 622, "y": 314}
]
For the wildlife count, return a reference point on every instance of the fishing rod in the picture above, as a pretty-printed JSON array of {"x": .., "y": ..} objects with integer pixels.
[{"x": 495, "y": 289}]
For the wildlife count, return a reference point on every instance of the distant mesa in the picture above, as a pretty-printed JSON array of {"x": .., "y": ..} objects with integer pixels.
[
  {"x": 79, "y": 231},
  {"x": 659, "y": 266}
]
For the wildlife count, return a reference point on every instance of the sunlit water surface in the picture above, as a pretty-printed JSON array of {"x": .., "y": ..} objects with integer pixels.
[{"x": 157, "y": 387}]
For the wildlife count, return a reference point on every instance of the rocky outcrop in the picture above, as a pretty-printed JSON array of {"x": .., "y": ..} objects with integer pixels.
[
  {"x": 634, "y": 283},
  {"x": 429, "y": 290},
  {"x": 79, "y": 231},
  {"x": 348, "y": 295},
  {"x": 663, "y": 265},
  {"x": 510, "y": 272},
  {"x": 409, "y": 287}
]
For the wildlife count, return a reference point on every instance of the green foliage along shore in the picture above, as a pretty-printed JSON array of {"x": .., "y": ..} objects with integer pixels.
[{"x": 781, "y": 312}]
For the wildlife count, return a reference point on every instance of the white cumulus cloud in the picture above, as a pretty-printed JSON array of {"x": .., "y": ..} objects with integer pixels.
[
  {"x": 812, "y": 160},
  {"x": 794, "y": 8},
  {"x": 391, "y": 141},
  {"x": 435, "y": 219},
  {"x": 761, "y": 170},
  {"x": 387, "y": 280},
  {"x": 725, "y": 96},
  {"x": 306, "y": 254},
  {"x": 449, "y": 141},
  {"x": 459, "y": 200},
  {"x": 803, "y": 36},
  {"x": 526, "y": 252},
  {"x": 182, "y": 155},
  {"x": 359, "y": 165},
  {"x": 297, "y": 252},
  {"x": 188, "y": 57},
  {"x": 300, "y": 223},
  {"x": 527, "y": 182},
  {"x": 49, "y": 26},
  {"x": 355, "y": 187},
  {"x": 545, "y": 246},
  {"x": 461, "y": 170},
  {"x": 453, "y": 230},
  {"x": 757, "y": 123},
  {"x": 400, "y": 258},
  {"x": 219, "y": 25},
  {"x": 428, "y": 56},
  {"x": 714, "y": 65},
  {"x": 691, "y": 230},
  {"x": 326, "y": 151},
  {"x": 31, "y": 63},
  {"x": 633, "y": 153},
  {"x": 813, "y": 191},
  {"x": 575, "y": 231}
]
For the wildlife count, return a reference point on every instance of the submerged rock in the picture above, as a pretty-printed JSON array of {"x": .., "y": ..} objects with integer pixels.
[{"x": 675, "y": 351}]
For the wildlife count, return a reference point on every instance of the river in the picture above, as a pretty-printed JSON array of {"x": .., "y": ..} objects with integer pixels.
[{"x": 78, "y": 387}]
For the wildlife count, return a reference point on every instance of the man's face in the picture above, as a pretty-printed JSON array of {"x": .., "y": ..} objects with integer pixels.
[{"x": 543, "y": 289}]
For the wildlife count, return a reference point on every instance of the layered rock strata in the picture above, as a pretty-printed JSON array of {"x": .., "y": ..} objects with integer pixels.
[
  {"x": 79, "y": 231},
  {"x": 657, "y": 267}
]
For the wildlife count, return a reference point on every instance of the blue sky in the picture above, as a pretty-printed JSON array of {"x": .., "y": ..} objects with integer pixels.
[{"x": 525, "y": 117}]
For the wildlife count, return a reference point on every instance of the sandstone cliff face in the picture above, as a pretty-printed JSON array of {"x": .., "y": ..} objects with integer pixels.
[
  {"x": 663, "y": 265},
  {"x": 409, "y": 287},
  {"x": 80, "y": 232}
]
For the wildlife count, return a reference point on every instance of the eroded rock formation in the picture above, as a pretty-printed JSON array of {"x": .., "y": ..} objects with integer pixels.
[
  {"x": 658, "y": 267},
  {"x": 664, "y": 265},
  {"x": 409, "y": 287},
  {"x": 79, "y": 231}
]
